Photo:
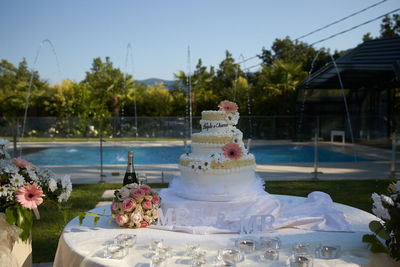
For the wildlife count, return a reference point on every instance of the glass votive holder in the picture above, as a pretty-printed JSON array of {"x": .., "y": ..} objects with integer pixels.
[
  {"x": 115, "y": 251},
  {"x": 325, "y": 251},
  {"x": 270, "y": 255},
  {"x": 300, "y": 260},
  {"x": 230, "y": 255},
  {"x": 155, "y": 244},
  {"x": 198, "y": 262},
  {"x": 199, "y": 254},
  {"x": 163, "y": 251},
  {"x": 125, "y": 240},
  {"x": 270, "y": 242},
  {"x": 223, "y": 263},
  {"x": 301, "y": 248},
  {"x": 157, "y": 261},
  {"x": 245, "y": 245},
  {"x": 191, "y": 249}
]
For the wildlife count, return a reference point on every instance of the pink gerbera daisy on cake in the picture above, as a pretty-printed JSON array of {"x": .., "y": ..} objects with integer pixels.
[
  {"x": 232, "y": 151},
  {"x": 30, "y": 196},
  {"x": 228, "y": 106}
]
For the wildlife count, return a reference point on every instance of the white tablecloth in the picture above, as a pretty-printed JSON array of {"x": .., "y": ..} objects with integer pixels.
[{"x": 83, "y": 245}]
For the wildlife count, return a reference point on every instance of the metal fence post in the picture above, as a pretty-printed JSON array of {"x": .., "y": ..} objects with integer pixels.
[
  {"x": 316, "y": 172},
  {"x": 101, "y": 161}
]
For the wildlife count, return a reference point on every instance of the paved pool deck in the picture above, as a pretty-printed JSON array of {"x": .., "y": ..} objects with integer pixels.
[{"x": 379, "y": 168}]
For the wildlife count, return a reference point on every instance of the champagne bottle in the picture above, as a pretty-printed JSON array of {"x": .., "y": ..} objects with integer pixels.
[{"x": 130, "y": 175}]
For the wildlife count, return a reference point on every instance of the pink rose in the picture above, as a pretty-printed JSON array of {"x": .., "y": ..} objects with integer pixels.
[
  {"x": 147, "y": 205},
  {"x": 114, "y": 208},
  {"x": 19, "y": 162},
  {"x": 137, "y": 194},
  {"x": 122, "y": 219},
  {"x": 128, "y": 205},
  {"x": 136, "y": 217},
  {"x": 144, "y": 224},
  {"x": 146, "y": 189},
  {"x": 156, "y": 199}
]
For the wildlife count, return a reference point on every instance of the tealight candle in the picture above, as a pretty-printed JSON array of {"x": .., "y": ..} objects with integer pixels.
[
  {"x": 232, "y": 255},
  {"x": 300, "y": 261},
  {"x": 246, "y": 246},
  {"x": 191, "y": 249},
  {"x": 271, "y": 254},
  {"x": 328, "y": 252}
]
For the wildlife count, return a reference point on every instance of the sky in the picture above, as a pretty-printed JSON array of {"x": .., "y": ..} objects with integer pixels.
[{"x": 160, "y": 33}]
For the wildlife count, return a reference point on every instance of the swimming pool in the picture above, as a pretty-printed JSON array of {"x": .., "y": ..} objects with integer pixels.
[{"x": 170, "y": 155}]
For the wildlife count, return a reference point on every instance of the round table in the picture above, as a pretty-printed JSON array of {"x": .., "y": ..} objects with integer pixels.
[{"x": 84, "y": 245}]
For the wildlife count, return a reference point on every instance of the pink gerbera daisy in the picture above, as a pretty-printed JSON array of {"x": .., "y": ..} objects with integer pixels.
[
  {"x": 228, "y": 106},
  {"x": 232, "y": 151},
  {"x": 30, "y": 196},
  {"x": 20, "y": 162}
]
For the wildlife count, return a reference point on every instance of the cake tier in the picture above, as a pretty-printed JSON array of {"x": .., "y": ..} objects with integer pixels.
[
  {"x": 215, "y": 164},
  {"x": 219, "y": 185}
]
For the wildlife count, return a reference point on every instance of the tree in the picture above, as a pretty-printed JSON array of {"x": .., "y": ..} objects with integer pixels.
[
  {"x": 298, "y": 52},
  {"x": 390, "y": 26},
  {"x": 107, "y": 85}
]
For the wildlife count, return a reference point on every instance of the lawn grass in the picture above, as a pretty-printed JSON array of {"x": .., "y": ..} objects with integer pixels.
[{"x": 47, "y": 230}]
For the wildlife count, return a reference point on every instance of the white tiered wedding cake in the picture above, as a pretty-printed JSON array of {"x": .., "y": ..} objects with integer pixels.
[
  {"x": 218, "y": 189},
  {"x": 219, "y": 168}
]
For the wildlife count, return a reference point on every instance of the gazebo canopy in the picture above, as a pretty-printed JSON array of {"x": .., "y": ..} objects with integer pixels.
[{"x": 361, "y": 66}]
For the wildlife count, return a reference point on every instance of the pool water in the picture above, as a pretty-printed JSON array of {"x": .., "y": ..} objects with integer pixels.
[{"x": 170, "y": 155}]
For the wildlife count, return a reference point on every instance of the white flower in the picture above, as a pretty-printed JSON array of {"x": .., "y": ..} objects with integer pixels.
[
  {"x": 66, "y": 181},
  {"x": 64, "y": 196},
  {"x": 387, "y": 200},
  {"x": 124, "y": 192},
  {"x": 206, "y": 164},
  {"x": 32, "y": 174},
  {"x": 17, "y": 180},
  {"x": 136, "y": 217},
  {"x": 232, "y": 118},
  {"x": 10, "y": 168},
  {"x": 378, "y": 209},
  {"x": 217, "y": 157},
  {"x": 52, "y": 185},
  {"x": 3, "y": 190}
]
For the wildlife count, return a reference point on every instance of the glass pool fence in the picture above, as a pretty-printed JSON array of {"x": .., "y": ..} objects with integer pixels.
[{"x": 286, "y": 147}]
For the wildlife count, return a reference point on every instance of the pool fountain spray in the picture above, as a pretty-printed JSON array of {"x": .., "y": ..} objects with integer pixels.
[
  {"x": 189, "y": 77},
  {"x": 30, "y": 86},
  {"x": 129, "y": 51}
]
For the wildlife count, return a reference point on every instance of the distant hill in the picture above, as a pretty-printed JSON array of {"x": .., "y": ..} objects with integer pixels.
[{"x": 151, "y": 81}]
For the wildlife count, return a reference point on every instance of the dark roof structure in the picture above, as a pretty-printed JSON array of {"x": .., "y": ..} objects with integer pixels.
[{"x": 360, "y": 66}]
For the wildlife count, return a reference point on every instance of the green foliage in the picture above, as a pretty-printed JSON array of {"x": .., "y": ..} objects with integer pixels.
[{"x": 21, "y": 217}]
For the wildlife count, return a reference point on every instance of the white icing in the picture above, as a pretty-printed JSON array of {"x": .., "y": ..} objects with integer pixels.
[{"x": 198, "y": 180}]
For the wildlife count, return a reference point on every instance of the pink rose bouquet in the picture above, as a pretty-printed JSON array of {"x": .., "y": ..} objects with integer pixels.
[{"x": 136, "y": 209}]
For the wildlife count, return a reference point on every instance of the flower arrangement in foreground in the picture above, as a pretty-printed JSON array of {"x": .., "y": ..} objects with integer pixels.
[
  {"x": 23, "y": 187},
  {"x": 135, "y": 206},
  {"x": 387, "y": 208}
]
